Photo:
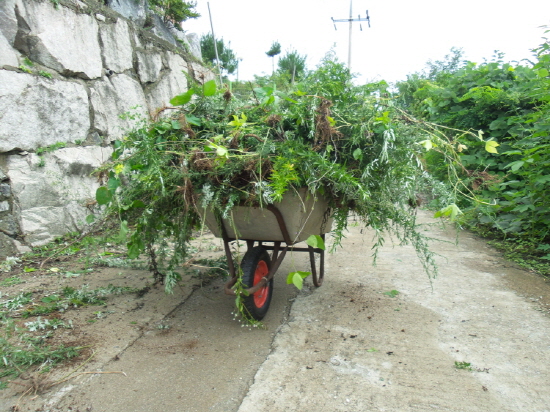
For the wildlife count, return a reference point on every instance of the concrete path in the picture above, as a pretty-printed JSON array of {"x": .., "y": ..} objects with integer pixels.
[{"x": 380, "y": 338}]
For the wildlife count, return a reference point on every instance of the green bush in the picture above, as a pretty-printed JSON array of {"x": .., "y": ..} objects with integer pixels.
[{"x": 509, "y": 104}]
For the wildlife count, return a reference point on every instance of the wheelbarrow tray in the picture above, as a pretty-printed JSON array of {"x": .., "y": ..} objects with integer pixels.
[
  {"x": 295, "y": 218},
  {"x": 303, "y": 215}
]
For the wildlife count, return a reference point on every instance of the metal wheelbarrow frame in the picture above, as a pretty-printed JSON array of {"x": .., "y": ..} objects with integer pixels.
[{"x": 282, "y": 226}]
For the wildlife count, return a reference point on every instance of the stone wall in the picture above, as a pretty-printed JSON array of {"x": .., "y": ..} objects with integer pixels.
[{"x": 68, "y": 70}]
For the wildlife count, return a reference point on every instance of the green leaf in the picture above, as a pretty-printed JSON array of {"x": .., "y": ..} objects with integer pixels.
[
  {"x": 103, "y": 195},
  {"x": 543, "y": 179},
  {"x": 182, "y": 98},
  {"x": 357, "y": 154},
  {"x": 135, "y": 247},
  {"x": 515, "y": 165},
  {"x": 392, "y": 293},
  {"x": 463, "y": 365},
  {"x": 236, "y": 122},
  {"x": 427, "y": 144},
  {"x": 123, "y": 232},
  {"x": 285, "y": 97},
  {"x": 194, "y": 120},
  {"x": 268, "y": 100},
  {"x": 297, "y": 278},
  {"x": 209, "y": 88},
  {"x": 90, "y": 219},
  {"x": 113, "y": 183},
  {"x": 175, "y": 125},
  {"x": 221, "y": 151},
  {"x": 542, "y": 72},
  {"x": 451, "y": 211},
  {"x": 138, "y": 203},
  {"x": 316, "y": 241},
  {"x": 28, "y": 269},
  {"x": 385, "y": 119},
  {"x": 491, "y": 146},
  {"x": 264, "y": 91}
]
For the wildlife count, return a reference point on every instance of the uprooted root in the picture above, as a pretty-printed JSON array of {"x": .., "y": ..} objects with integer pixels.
[
  {"x": 324, "y": 131},
  {"x": 482, "y": 179}
]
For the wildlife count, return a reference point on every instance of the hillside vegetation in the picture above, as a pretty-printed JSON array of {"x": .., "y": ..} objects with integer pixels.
[{"x": 507, "y": 168}]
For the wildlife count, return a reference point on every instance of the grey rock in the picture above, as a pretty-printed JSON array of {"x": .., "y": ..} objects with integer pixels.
[
  {"x": 8, "y": 20},
  {"x": 47, "y": 36},
  {"x": 51, "y": 199},
  {"x": 37, "y": 112},
  {"x": 8, "y": 225},
  {"x": 149, "y": 65},
  {"x": 81, "y": 5},
  {"x": 201, "y": 73},
  {"x": 179, "y": 36},
  {"x": 160, "y": 30},
  {"x": 8, "y": 246},
  {"x": 8, "y": 55},
  {"x": 117, "y": 47},
  {"x": 20, "y": 247},
  {"x": 43, "y": 197},
  {"x": 173, "y": 83},
  {"x": 5, "y": 190},
  {"x": 135, "y": 10},
  {"x": 112, "y": 97},
  {"x": 94, "y": 139},
  {"x": 42, "y": 225},
  {"x": 194, "y": 45}
]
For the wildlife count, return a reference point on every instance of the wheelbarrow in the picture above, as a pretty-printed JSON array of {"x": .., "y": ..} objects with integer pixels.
[{"x": 277, "y": 228}]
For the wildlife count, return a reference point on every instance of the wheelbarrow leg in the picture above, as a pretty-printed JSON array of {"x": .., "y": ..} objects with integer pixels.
[
  {"x": 317, "y": 278},
  {"x": 276, "y": 249},
  {"x": 230, "y": 262}
]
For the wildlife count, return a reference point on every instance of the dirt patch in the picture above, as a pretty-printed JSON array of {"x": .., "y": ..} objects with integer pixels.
[{"x": 129, "y": 306}]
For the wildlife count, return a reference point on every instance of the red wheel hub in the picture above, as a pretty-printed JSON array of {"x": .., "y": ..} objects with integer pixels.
[{"x": 260, "y": 297}]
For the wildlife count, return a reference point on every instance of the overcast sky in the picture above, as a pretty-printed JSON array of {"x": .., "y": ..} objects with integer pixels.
[{"x": 403, "y": 35}]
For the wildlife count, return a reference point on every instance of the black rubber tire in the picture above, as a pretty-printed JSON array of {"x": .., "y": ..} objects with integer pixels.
[{"x": 256, "y": 258}]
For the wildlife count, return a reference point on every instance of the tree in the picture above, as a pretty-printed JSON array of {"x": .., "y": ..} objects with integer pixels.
[
  {"x": 175, "y": 11},
  {"x": 274, "y": 51},
  {"x": 228, "y": 59},
  {"x": 293, "y": 64},
  {"x": 450, "y": 64}
]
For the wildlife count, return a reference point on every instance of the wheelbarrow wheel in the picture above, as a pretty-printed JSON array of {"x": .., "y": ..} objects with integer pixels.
[{"x": 255, "y": 266}]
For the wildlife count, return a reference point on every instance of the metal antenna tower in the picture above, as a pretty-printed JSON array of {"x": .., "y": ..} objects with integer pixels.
[{"x": 351, "y": 20}]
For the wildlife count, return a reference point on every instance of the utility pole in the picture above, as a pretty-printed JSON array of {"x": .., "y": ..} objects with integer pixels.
[{"x": 351, "y": 20}]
